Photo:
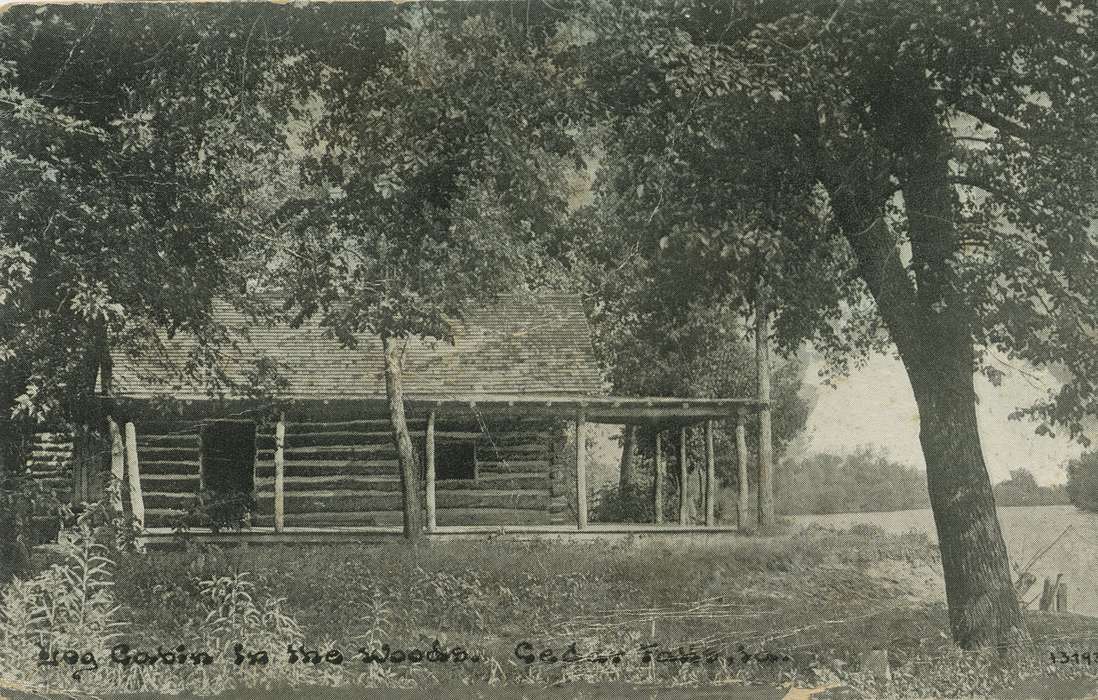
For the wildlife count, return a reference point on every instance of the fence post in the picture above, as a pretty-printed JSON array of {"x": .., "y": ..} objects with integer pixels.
[
  {"x": 743, "y": 499},
  {"x": 581, "y": 470},
  {"x": 118, "y": 464},
  {"x": 762, "y": 366},
  {"x": 133, "y": 472},
  {"x": 432, "y": 517},
  {"x": 657, "y": 483},
  {"x": 280, "y": 474},
  {"x": 684, "y": 515},
  {"x": 710, "y": 477}
]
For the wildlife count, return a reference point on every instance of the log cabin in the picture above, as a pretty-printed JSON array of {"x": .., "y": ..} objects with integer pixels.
[{"x": 294, "y": 425}]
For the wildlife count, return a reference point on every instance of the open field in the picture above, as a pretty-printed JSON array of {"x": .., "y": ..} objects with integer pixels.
[
  {"x": 805, "y": 608},
  {"x": 1027, "y": 531}
]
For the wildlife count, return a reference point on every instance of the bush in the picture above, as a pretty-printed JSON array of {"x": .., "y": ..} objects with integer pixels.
[
  {"x": 30, "y": 514},
  {"x": 1082, "y": 484},
  {"x": 1021, "y": 489},
  {"x": 864, "y": 481},
  {"x": 218, "y": 510},
  {"x": 634, "y": 504}
]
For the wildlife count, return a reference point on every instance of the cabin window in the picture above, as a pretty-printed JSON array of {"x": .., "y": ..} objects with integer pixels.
[{"x": 455, "y": 460}]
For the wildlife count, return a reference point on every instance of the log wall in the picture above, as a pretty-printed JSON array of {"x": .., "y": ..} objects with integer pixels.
[
  {"x": 50, "y": 462},
  {"x": 345, "y": 473},
  {"x": 169, "y": 457}
]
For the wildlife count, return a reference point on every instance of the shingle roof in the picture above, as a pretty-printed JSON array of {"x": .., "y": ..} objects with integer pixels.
[{"x": 516, "y": 346}]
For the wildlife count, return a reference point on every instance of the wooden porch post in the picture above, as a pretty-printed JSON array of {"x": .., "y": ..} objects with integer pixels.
[
  {"x": 657, "y": 483},
  {"x": 133, "y": 471},
  {"x": 581, "y": 471},
  {"x": 743, "y": 500},
  {"x": 684, "y": 501},
  {"x": 432, "y": 521},
  {"x": 118, "y": 464},
  {"x": 710, "y": 477},
  {"x": 280, "y": 474},
  {"x": 762, "y": 362}
]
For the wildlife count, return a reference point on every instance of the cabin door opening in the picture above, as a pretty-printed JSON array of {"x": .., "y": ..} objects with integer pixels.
[{"x": 228, "y": 457}]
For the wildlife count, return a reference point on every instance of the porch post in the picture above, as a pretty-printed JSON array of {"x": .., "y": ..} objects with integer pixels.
[
  {"x": 137, "y": 500},
  {"x": 118, "y": 464},
  {"x": 430, "y": 458},
  {"x": 684, "y": 501},
  {"x": 762, "y": 362},
  {"x": 280, "y": 474},
  {"x": 657, "y": 483},
  {"x": 581, "y": 471},
  {"x": 743, "y": 500},
  {"x": 710, "y": 477}
]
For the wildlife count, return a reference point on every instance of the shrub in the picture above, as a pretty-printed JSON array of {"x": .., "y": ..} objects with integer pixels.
[
  {"x": 1082, "y": 483},
  {"x": 634, "y": 504},
  {"x": 218, "y": 510},
  {"x": 1021, "y": 489},
  {"x": 67, "y": 606}
]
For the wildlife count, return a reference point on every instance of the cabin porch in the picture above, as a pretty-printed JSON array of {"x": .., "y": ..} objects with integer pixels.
[{"x": 310, "y": 488}]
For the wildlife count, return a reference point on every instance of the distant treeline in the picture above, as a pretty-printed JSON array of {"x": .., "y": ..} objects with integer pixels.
[
  {"x": 867, "y": 481},
  {"x": 1082, "y": 484}
]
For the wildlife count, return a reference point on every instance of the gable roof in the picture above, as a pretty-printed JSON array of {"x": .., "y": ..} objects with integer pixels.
[{"x": 516, "y": 346}]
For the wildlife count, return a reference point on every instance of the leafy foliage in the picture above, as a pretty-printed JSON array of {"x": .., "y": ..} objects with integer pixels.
[
  {"x": 1021, "y": 489},
  {"x": 1082, "y": 483}
]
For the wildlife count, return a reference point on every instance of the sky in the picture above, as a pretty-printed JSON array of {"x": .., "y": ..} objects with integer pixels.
[{"x": 874, "y": 406}]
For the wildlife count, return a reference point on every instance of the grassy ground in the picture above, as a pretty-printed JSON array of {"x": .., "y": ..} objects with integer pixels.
[{"x": 805, "y": 609}]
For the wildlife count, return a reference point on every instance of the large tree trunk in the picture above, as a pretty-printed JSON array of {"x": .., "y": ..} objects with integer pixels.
[
  {"x": 406, "y": 454},
  {"x": 625, "y": 474},
  {"x": 928, "y": 322},
  {"x": 983, "y": 608}
]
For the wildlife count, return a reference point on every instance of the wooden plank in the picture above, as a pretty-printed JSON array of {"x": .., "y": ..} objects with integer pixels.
[
  {"x": 133, "y": 472},
  {"x": 505, "y": 481},
  {"x": 319, "y": 426},
  {"x": 510, "y": 464},
  {"x": 170, "y": 501},
  {"x": 657, "y": 479},
  {"x": 581, "y": 470},
  {"x": 118, "y": 464},
  {"x": 432, "y": 519},
  {"x": 369, "y": 500},
  {"x": 710, "y": 477},
  {"x": 765, "y": 485},
  {"x": 279, "y": 476},
  {"x": 684, "y": 476},
  {"x": 743, "y": 499},
  {"x": 183, "y": 441},
  {"x": 161, "y": 483},
  {"x": 330, "y": 483},
  {"x": 329, "y": 468}
]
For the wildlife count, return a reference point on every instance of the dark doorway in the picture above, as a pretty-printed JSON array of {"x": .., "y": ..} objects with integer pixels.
[{"x": 228, "y": 456}]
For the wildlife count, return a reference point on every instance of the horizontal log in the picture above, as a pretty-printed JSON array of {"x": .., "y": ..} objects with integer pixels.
[
  {"x": 167, "y": 454},
  {"x": 292, "y": 440},
  {"x": 322, "y": 426},
  {"x": 393, "y": 517},
  {"x": 496, "y": 482},
  {"x": 513, "y": 465},
  {"x": 168, "y": 440},
  {"x": 347, "y": 500},
  {"x": 383, "y": 453},
  {"x": 329, "y": 468},
  {"x": 175, "y": 483},
  {"x": 168, "y": 501},
  {"x": 492, "y": 516},
  {"x": 265, "y": 486},
  {"x": 445, "y": 516},
  {"x": 330, "y": 502}
]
